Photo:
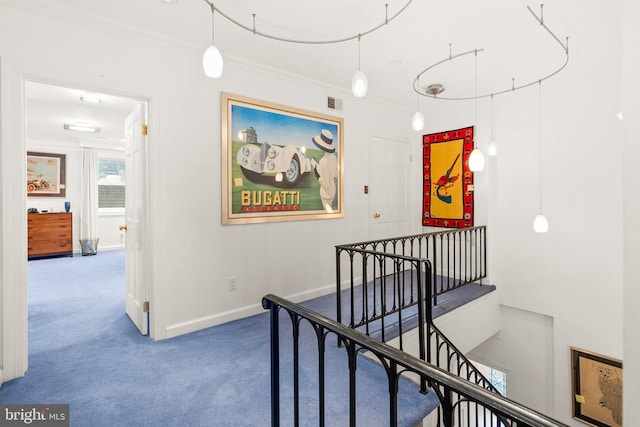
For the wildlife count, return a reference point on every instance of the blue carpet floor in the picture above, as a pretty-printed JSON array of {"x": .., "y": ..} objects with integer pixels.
[{"x": 84, "y": 351}]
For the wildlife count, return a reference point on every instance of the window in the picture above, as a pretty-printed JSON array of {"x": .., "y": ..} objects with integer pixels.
[
  {"x": 111, "y": 185},
  {"x": 497, "y": 378}
]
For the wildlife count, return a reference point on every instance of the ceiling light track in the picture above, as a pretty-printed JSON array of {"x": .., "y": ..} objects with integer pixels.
[
  {"x": 253, "y": 29},
  {"x": 513, "y": 88}
]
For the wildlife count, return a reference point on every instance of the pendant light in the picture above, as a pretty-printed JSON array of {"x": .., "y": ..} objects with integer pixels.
[
  {"x": 540, "y": 223},
  {"x": 476, "y": 158},
  {"x": 359, "y": 84},
  {"x": 212, "y": 59},
  {"x": 417, "y": 121},
  {"x": 493, "y": 148}
]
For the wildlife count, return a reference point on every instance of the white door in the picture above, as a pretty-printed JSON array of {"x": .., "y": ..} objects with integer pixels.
[
  {"x": 135, "y": 160},
  {"x": 389, "y": 188}
]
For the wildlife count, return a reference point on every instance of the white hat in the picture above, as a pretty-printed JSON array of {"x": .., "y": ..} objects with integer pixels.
[{"x": 324, "y": 141}]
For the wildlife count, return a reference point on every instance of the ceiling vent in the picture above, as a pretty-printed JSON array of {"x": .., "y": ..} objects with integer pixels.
[{"x": 333, "y": 103}]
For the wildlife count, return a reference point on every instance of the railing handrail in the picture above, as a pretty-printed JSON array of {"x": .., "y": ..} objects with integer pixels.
[
  {"x": 411, "y": 236},
  {"x": 426, "y": 371},
  {"x": 391, "y": 246},
  {"x": 427, "y": 316}
]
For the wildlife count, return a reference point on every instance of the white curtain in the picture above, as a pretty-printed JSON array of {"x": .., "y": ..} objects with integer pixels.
[{"x": 89, "y": 208}]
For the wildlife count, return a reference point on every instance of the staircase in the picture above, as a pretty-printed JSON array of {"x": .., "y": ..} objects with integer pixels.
[{"x": 385, "y": 309}]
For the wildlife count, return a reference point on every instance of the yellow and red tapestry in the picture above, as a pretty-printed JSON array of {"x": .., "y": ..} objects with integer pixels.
[{"x": 448, "y": 182}]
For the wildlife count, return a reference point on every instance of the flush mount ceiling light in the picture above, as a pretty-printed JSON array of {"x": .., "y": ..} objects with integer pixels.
[
  {"x": 434, "y": 89},
  {"x": 90, "y": 99},
  {"x": 81, "y": 128},
  {"x": 359, "y": 80}
]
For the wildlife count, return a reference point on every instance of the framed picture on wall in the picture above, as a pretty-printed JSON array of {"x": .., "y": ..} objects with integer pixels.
[
  {"x": 279, "y": 163},
  {"x": 597, "y": 388},
  {"x": 447, "y": 181},
  {"x": 45, "y": 174}
]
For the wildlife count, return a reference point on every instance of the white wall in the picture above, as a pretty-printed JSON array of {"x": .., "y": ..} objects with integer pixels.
[
  {"x": 529, "y": 364},
  {"x": 630, "y": 93}
]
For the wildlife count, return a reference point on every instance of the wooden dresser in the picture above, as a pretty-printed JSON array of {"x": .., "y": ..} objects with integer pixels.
[{"x": 50, "y": 234}]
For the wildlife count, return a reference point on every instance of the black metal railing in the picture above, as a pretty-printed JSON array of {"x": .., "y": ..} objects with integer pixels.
[
  {"x": 462, "y": 403},
  {"x": 390, "y": 286},
  {"x": 458, "y": 257},
  {"x": 382, "y": 287}
]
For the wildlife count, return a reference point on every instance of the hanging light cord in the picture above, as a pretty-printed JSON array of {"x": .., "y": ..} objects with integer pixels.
[
  {"x": 492, "y": 140},
  {"x": 359, "y": 52},
  {"x": 253, "y": 30},
  {"x": 213, "y": 33},
  {"x": 475, "y": 67},
  {"x": 540, "y": 138}
]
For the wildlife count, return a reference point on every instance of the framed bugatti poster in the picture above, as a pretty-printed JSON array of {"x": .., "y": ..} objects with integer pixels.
[
  {"x": 447, "y": 180},
  {"x": 279, "y": 163}
]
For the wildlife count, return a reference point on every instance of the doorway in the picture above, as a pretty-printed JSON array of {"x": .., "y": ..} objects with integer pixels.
[
  {"x": 390, "y": 188},
  {"x": 80, "y": 125}
]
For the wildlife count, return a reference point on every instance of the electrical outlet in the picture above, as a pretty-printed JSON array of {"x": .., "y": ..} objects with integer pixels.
[{"x": 233, "y": 283}]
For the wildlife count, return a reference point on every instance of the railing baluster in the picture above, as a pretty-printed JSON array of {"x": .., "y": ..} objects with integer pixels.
[
  {"x": 320, "y": 334},
  {"x": 352, "y": 354},
  {"x": 392, "y": 375},
  {"x": 351, "y": 290},
  {"x": 365, "y": 294},
  {"x": 338, "y": 286},
  {"x": 460, "y": 400},
  {"x": 275, "y": 360},
  {"x": 296, "y": 369}
]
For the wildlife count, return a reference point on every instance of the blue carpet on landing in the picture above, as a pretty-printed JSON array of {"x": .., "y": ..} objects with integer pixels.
[{"x": 84, "y": 351}]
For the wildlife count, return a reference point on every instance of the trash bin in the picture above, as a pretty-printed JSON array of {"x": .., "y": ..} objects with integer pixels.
[{"x": 89, "y": 246}]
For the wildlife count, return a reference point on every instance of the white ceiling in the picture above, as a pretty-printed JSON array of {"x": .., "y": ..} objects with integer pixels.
[
  {"x": 514, "y": 45},
  {"x": 49, "y": 107}
]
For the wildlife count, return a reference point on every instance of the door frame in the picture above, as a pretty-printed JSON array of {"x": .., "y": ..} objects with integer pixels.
[{"x": 13, "y": 216}]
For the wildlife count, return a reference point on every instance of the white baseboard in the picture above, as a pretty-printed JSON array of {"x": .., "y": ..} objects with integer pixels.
[
  {"x": 212, "y": 320},
  {"x": 250, "y": 310}
]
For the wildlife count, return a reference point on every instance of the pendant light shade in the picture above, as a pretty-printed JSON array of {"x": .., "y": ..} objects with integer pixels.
[
  {"x": 359, "y": 84},
  {"x": 476, "y": 160},
  {"x": 493, "y": 148},
  {"x": 540, "y": 224},
  {"x": 212, "y": 62},
  {"x": 417, "y": 121},
  {"x": 212, "y": 59}
]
